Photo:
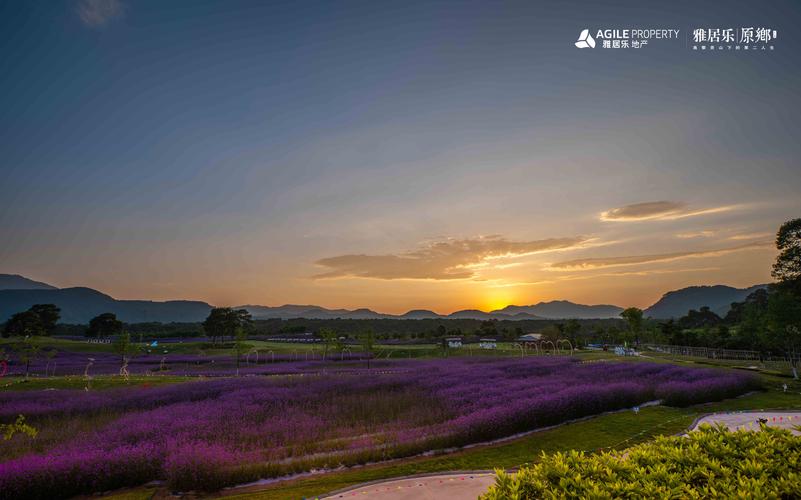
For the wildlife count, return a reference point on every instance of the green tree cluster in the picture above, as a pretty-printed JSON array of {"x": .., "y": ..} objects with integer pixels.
[
  {"x": 634, "y": 319},
  {"x": 104, "y": 325},
  {"x": 40, "y": 319},
  {"x": 226, "y": 322}
]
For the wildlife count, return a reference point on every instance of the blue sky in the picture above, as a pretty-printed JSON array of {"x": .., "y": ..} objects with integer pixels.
[{"x": 237, "y": 151}]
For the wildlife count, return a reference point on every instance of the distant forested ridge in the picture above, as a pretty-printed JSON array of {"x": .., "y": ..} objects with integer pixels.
[{"x": 718, "y": 298}]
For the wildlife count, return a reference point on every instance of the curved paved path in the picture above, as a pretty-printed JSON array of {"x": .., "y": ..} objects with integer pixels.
[
  {"x": 443, "y": 486},
  {"x": 458, "y": 486},
  {"x": 749, "y": 420}
]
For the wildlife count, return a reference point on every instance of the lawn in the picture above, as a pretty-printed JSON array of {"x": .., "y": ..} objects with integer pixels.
[{"x": 62, "y": 356}]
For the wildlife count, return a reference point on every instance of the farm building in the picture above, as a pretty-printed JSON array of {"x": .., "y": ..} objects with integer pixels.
[
  {"x": 488, "y": 343},
  {"x": 530, "y": 337}
]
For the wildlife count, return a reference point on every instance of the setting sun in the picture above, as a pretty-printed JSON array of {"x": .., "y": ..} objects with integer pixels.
[{"x": 498, "y": 298}]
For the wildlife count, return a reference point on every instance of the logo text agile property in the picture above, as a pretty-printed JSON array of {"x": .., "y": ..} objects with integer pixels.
[
  {"x": 624, "y": 38},
  {"x": 637, "y": 34}
]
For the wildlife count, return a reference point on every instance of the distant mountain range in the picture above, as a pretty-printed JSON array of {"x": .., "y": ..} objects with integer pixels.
[
  {"x": 559, "y": 309},
  {"x": 316, "y": 312},
  {"x": 17, "y": 282},
  {"x": 309, "y": 312},
  {"x": 718, "y": 298},
  {"x": 79, "y": 305}
]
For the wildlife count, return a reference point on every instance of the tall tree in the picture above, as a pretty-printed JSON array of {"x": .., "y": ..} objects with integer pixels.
[
  {"x": 784, "y": 302},
  {"x": 104, "y": 325},
  {"x": 787, "y": 268},
  {"x": 214, "y": 325},
  {"x": 24, "y": 324},
  {"x": 633, "y": 317},
  {"x": 671, "y": 333},
  {"x": 784, "y": 325},
  {"x": 244, "y": 322},
  {"x": 49, "y": 314},
  {"x": 225, "y": 322}
]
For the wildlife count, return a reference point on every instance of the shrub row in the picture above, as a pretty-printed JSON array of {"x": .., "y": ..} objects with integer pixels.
[{"x": 709, "y": 463}]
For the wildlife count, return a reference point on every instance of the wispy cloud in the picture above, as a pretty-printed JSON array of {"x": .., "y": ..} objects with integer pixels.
[
  {"x": 696, "y": 234},
  {"x": 98, "y": 13},
  {"x": 750, "y": 236},
  {"x": 602, "y": 262},
  {"x": 644, "y": 272},
  {"x": 444, "y": 260},
  {"x": 658, "y": 210},
  {"x": 504, "y": 283},
  {"x": 723, "y": 235}
]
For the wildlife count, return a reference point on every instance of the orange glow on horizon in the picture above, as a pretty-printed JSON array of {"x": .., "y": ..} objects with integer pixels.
[{"x": 497, "y": 298}]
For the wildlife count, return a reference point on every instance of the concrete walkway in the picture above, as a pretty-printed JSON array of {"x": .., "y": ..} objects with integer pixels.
[
  {"x": 444, "y": 486},
  {"x": 749, "y": 420}
]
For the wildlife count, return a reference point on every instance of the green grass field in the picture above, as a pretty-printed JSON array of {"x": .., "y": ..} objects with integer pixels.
[{"x": 265, "y": 348}]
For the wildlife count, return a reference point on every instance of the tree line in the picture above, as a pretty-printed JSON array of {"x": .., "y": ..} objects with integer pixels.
[
  {"x": 768, "y": 320},
  {"x": 42, "y": 319}
]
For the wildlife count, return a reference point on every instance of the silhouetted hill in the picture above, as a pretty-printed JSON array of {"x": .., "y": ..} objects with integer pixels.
[
  {"x": 420, "y": 314},
  {"x": 563, "y": 309},
  {"x": 469, "y": 314},
  {"x": 290, "y": 311},
  {"x": 79, "y": 305},
  {"x": 17, "y": 282},
  {"x": 718, "y": 298}
]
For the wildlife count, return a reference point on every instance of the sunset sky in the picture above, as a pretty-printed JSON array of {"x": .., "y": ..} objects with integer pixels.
[{"x": 393, "y": 156}]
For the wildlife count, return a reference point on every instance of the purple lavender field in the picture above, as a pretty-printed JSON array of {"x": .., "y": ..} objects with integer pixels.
[
  {"x": 70, "y": 363},
  {"x": 205, "y": 435}
]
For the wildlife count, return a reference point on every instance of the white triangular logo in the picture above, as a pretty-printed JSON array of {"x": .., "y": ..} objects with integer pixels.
[{"x": 585, "y": 40}]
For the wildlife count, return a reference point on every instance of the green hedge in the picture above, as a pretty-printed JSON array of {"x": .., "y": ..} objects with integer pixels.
[{"x": 710, "y": 463}]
